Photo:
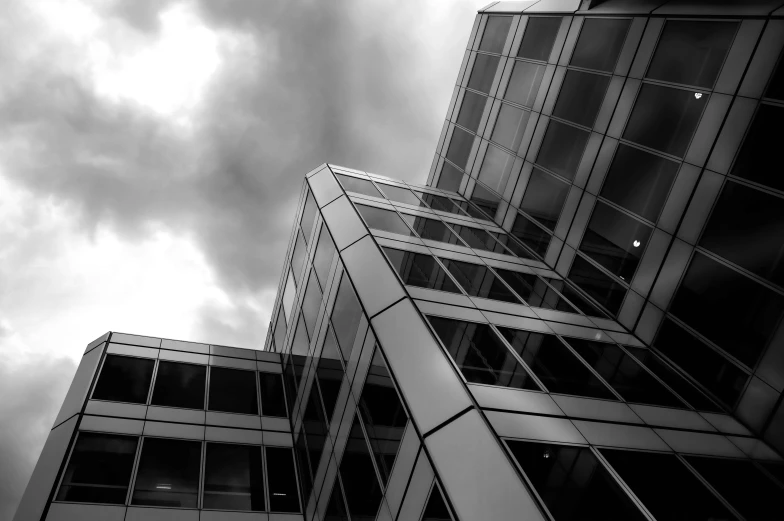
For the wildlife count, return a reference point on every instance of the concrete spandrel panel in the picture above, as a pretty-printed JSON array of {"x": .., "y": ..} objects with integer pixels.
[
  {"x": 123, "y": 410},
  {"x": 514, "y": 400},
  {"x": 45, "y": 473},
  {"x": 188, "y": 347},
  {"x": 115, "y": 425},
  {"x": 77, "y": 512},
  {"x": 429, "y": 384},
  {"x": 492, "y": 489},
  {"x": 577, "y": 407},
  {"x": 376, "y": 284},
  {"x": 161, "y": 514},
  {"x": 343, "y": 222},
  {"x": 699, "y": 443},
  {"x": 614, "y": 435},
  {"x": 173, "y": 414},
  {"x": 80, "y": 386},
  {"x": 668, "y": 417},
  {"x": 137, "y": 340},
  {"x": 325, "y": 187},
  {"x": 526, "y": 426}
]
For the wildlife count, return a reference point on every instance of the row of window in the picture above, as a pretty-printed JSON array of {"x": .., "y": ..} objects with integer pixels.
[
  {"x": 170, "y": 472},
  {"x": 128, "y": 379},
  {"x": 575, "y": 483},
  {"x": 530, "y": 360}
]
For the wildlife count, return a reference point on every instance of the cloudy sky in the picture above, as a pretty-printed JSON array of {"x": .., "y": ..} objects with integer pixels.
[{"x": 151, "y": 153}]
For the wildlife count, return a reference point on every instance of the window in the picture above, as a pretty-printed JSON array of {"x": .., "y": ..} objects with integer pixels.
[
  {"x": 288, "y": 297},
  {"x": 478, "y": 238},
  {"x": 479, "y": 281},
  {"x": 580, "y": 97},
  {"x": 385, "y": 220},
  {"x": 280, "y": 328},
  {"x": 311, "y": 303},
  {"x": 524, "y": 83},
  {"x": 539, "y": 37},
  {"x": 434, "y": 230},
  {"x": 301, "y": 343},
  {"x": 654, "y": 476},
  {"x": 471, "y": 110},
  {"x": 639, "y": 181},
  {"x": 513, "y": 246},
  {"x": 510, "y": 126},
  {"x": 486, "y": 201},
  {"x": 730, "y": 309},
  {"x": 417, "y": 269},
  {"x": 600, "y": 43},
  {"x": 596, "y": 284},
  {"x": 363, "y": 492},
  {"x": 555, "y": 365},
  {"x": 460, "y": 147},
  {"x": 383, "y": 415},
  {"x": 471, "y": 209},
  {"x": 775, "y": 88},
  {"x": 761, "y": 148},
  {"x": 336, "y": 508},
  {"x": 302, "y": 458},
  {"x": 480, "y": 355},
  {"x": 483, "y": 72},
  {"x": 442, "y": 204},
  {"x": 531, "y": 235},
  {"x": 562, "y": 148},
  {"x": 747, "y": 228},
  {"x": 436, "y": 509},
  {"x": 233, "y": 477},
  {"x": 329, "y": 374},
  {"x": 535, "y": 291},
  {"x": 572, "y": 483},
  {"x": 283, "y": 486},
  {"x": 359, "y": 186},
  {"x": 292, "y": 372},
  {"x": 400, "y": 195},
  {"x": 450, "y": 178},
  {"x": 233, "y": 390},
  {"x": 124, "y": 379},
  {"x": 325, "y": 252},
  {"x": 168, "y": 474},
  {"x": 345, "y": 317},
  {"x": 99, "y": 470},
  {"x": 544, "y": 198},
  {"x": 494, "y": 37},
  {"x": 179, "y": 385},
  {"x": 496, "y": 168},
  {"x": 314, "y": 427},
  {"x": 273, "y": 400},
  {"x": 575, "y": 298},
  {"x": 298, "y": 257},
  {"x": 624, "y": 373},
  {"x": 691, "y": 53},
  {"x": 664, "y": 118},
  {"x": 709, "y": 368},
  {"x": 615, "y": 240},
  {"x": 309, "y": 215}
]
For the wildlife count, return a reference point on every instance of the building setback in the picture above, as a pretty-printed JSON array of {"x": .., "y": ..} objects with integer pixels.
[{"x": 579, "y": 317}]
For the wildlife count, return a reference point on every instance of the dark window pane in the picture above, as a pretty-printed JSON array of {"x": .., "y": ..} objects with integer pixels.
[
  {"x": 363, "y": 493},
  {"x": 743, "y": 485},
  {"x": 301, "y": 343},
  {"x": 480, "y": 355},
  {"x": 544, "y": 198},
  {"x": 233, "y": 477},
  {"x": 99, "y": 470},
  {"x": 531, "y": 235},
  {"x": 383, "y": 414},
  {"x": 233, "y": 390},
  {"x": 303, "y": 464},
  {"x": 539, "y": 36},
  {"x": 280, "y": 331},
  {"x": 329, "y": 374},
  {"x": 360, "y": 186},
  {"x": 436, "y": 509},
  {"x": 510, "y": 126},
  {"x": 417, "y": 269},
  {"x": 702, "y": 363},
  {"x": 311, "y": 303},
  {"x": 600, "y": 43},
  {"x": 580, "y": 97},
  {"x": 283, "y": 485},
  {"x": 513, "y": 246},
  {"x": 442, "y": 204},
  {"x": 288, "y": 295},
  {"x": 760, "y": 151},
  {"x": 730, "y": 309},
  {"x": 486, "y": 201},
  {"x": 124, "y": 379},
  {"x": 496, "y": 168},
  {"x": 478, "y": 238},
  {"x": 336, "y": 508},
  {"x": 273, "y": 400},
  {"x": 562, "y": 148},
  {"x": 325, "y": 252},
  {"x": 483, "y": 72},
  {"x": 168, "y": 474},
  {"x": 691, "y": 52},
  {"x": 460, "y": 147},
  {"x": 309, "y": 215},
  {"x": 471, "y": 110},
  {"x": 666, "y": 487},
  {"x": 494, "y": 37},
  {"x": 471, "y": 210},
  {"x": 575, "y": 298},
  {"x": 747, "y": 228},
  {"x": 400, "y": 195},
  {"x": 434, "y": 230},
  {"x": 595, "y": 283},
  {"x": 572, "y": 483},
  {"x": 479, "y": 281},
  {"x": 314, "y": 426},
  {"x": 524, "y": 83},
  {"x": 292, "y": 372},
  {"x": 298, "y": 257},
  {"x": 664, "y": 118},
  {"x": 450, "y": 178},
  {"x": 535, "y": 291},
  {"x": 615, "y": 240},
  {"x": 639, "y": 181},
  {"x": 179, "y": 385},
  {"x": 380, "y": 219},
  {"x": 557, "y": 367},
  {"x": 624, "y": 373},
  {"x": 775, "y": 88},
  {"x": 345, "y": 317}
]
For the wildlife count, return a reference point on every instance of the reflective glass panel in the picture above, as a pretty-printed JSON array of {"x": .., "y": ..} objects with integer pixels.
[
  {"x": 775, "y": 88},
  {"x": 535, "y": 291},
  {"x": 273, "y": 400},
  {"x": 580, "y": 97},
  {"x": 124, "y": 379},
  {"x": 513, "y": 246},
  {"x": 298, "y": 257},
  {"x": 336, "y": 508},
  {"x": 357, "y": 185},
  {"x": 400, "y": 195},
  {"x": 303, "y": 464},
  {"x": 760, "y": 151},
  {"x": 478, "y": 238},
  {"x": 562, "y": 148},
  {"x": 288, "y": 297},
  {"x": 596, "y": 284},
  {"x": 494, "y": 37},
  {"x": 539, "y": 36},
  {"x": 524, "y": 83},
  {"x": 381, "y": 219},
  {"x": 315, "y": 428},
  {"x": 483, "y": 72},
  {"x": 434, "y": 230},
  {"x": 345, "y": 317},
  {"x": 283, "y": 493},
  {"x": 309, "y": 215},
  {"x": 233, "y": 390},
  {"x": 179, "y": 385},
  {"x": 311, "y": 303},
  {"x": 479, "y": 281},
  {"x": 600, "y": 43},
  {"x": 329, "y": 374},
  {"x": 486, "y": 201},
  {"x": 460, "y": 147},
  {"x": 496, "y": 168},
  {"x": 544, "y": 198},
  {"x": 471, "y": 110},
  {"x": 280, "y": 330},
  {"x": 233, "y": 477},
  {"x": 168, "y": 474},
  {"x": 471, "y": 209},
  {"x": 363, "y": 492},
  {"x": 450, "y": 178},
  {"x": 325, "y": 252},
  {"x": 531, "y": 235},
  {"x": 575, "y": 298},
  {"x": 442, "y": 204},
  {"x": 436, "y": 509},
  {"x": 417, "y": 269},
  {"x": 301, "y": 342},
  {"x": 510, "y": 126}
]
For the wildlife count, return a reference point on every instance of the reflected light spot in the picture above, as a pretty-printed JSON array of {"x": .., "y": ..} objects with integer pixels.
[
  {"x": 698, "y": 95},
  {"x": 636, "y": 244}
]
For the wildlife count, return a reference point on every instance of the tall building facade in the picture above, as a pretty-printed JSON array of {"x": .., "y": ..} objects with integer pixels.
[{"x": 578, "y": 317}]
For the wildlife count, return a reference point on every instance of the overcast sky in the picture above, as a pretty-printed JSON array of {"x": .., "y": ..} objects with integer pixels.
[{"x": 151, "y": 154}]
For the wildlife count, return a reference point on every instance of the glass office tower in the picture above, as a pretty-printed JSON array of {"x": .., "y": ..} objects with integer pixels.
[{"x": 578, "y": 317}]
